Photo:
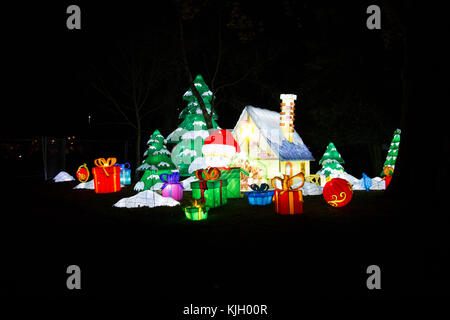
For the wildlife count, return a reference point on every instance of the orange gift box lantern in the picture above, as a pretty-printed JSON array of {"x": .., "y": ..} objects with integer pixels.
[
  {"x": 106, "y": 176},
  {"x": 337, "y": 192},
  {"x": 288, "y": 200}
]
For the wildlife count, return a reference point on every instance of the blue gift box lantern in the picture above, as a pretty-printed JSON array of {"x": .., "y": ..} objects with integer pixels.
[
  {"x": 261, "y": 195},
  {"x": 125, "y": 174}
]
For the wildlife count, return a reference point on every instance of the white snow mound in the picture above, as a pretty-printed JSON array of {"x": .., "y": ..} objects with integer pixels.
[
  {"x": 353, "y": 181},
  {"x": 63, "y": 177},
  {"x": 86, "y": 185},
  {"x": 146, "y": 198},
  {"x": 358, "y": 187},
  {"x": 378, "y": 184},
  {"x": 187, "y": 183},
  {"x": 311, "y": 189}
]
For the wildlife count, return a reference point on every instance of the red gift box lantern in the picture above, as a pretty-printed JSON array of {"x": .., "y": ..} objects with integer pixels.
[
  {"x": 288, "y": 200},
  {"x": 106, "y": 176},
  {"x": 337, "y": 192},
  {"x": 83, "y": 173}
]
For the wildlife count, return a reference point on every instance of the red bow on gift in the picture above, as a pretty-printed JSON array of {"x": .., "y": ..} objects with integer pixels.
[{"x": 209, "y": 174}]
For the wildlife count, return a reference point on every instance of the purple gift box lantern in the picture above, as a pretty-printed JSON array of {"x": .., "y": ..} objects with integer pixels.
[{"x": 172, "y": 187}]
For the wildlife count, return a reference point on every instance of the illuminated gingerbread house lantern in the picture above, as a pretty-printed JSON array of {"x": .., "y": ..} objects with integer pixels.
[{"x": 269, "y": 138}]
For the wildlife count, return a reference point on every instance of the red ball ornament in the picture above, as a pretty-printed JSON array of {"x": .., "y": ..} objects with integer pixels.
[
  {"x": 83, "y": 173},
  {"x": 337, "y": 192}
]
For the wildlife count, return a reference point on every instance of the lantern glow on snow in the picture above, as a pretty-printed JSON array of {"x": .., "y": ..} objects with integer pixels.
[{"x": 337, "y": 192}]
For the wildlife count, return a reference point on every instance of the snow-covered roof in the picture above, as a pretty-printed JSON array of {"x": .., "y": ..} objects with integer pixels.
[{"x": 268, "y": 123}]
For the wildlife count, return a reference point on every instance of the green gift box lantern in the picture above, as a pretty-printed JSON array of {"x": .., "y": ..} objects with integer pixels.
[
  {"x": 233, "y": 176},
  {"x": 196, "y": 212},
  {"x": 209, "y": 189}
]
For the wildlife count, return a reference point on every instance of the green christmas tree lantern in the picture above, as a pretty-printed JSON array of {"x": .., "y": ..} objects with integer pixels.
[
  {"x": 157, "y": 162},
  {"x": 191, "y": 133},
  {"x": 391, "y": 158},
  {"x": 331, "y": 163},
  {"x": 392, "y": 155}
]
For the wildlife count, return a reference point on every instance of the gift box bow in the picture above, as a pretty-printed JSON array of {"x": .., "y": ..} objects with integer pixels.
[
  {"x": 172, "y": 178},
  {"x": 123, "y": 166},
  {"x": 207, "y": 175},
  {"x": 211, "y": 174},
  {"x": 102, "y": 163},
  {"x": 262, "y": 187},
  {"x": 287, "y": 181}
]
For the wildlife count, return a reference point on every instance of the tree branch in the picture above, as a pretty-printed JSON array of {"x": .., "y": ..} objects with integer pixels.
[
  {"x": 108, "y": 96},
  {"x": 149, "y": 111},
  {"x": 219, "y": 52},
  {"x": 244, "y": 76},
  {"x": 208, "y": 118}
]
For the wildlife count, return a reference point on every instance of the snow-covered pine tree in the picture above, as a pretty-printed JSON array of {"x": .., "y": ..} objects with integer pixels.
[
  {"x": 331, "y": 162},
  {"x": 391, "y": 157},
  {"x": 157, "y": 161},
  {"x": 191, "y": 133}
]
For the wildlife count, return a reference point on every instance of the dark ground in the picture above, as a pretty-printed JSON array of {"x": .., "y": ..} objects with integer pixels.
[{"x": 240, "y": 252}]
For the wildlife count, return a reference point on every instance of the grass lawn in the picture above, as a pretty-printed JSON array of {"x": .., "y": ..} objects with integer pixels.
[{"x": 240, "y": 251}]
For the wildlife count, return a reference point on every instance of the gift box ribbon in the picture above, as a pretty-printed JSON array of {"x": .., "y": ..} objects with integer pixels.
[
  {"x": 262, "y": 187},
  {"x": 102, "y": 163},
  {"x": 208, "y": 175},
  {"x": 287, "y": 182},
  {"x": 124, "y": 166},
  {"x": 172, "y": 178}
]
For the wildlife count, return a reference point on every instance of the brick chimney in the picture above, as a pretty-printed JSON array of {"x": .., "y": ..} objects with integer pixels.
[{"x": 287, "y": 115}]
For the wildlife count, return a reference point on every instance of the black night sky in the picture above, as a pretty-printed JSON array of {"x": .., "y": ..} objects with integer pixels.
[
  {"x": 347, "y": 77},
  {"x": 355, "y": 86}
]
